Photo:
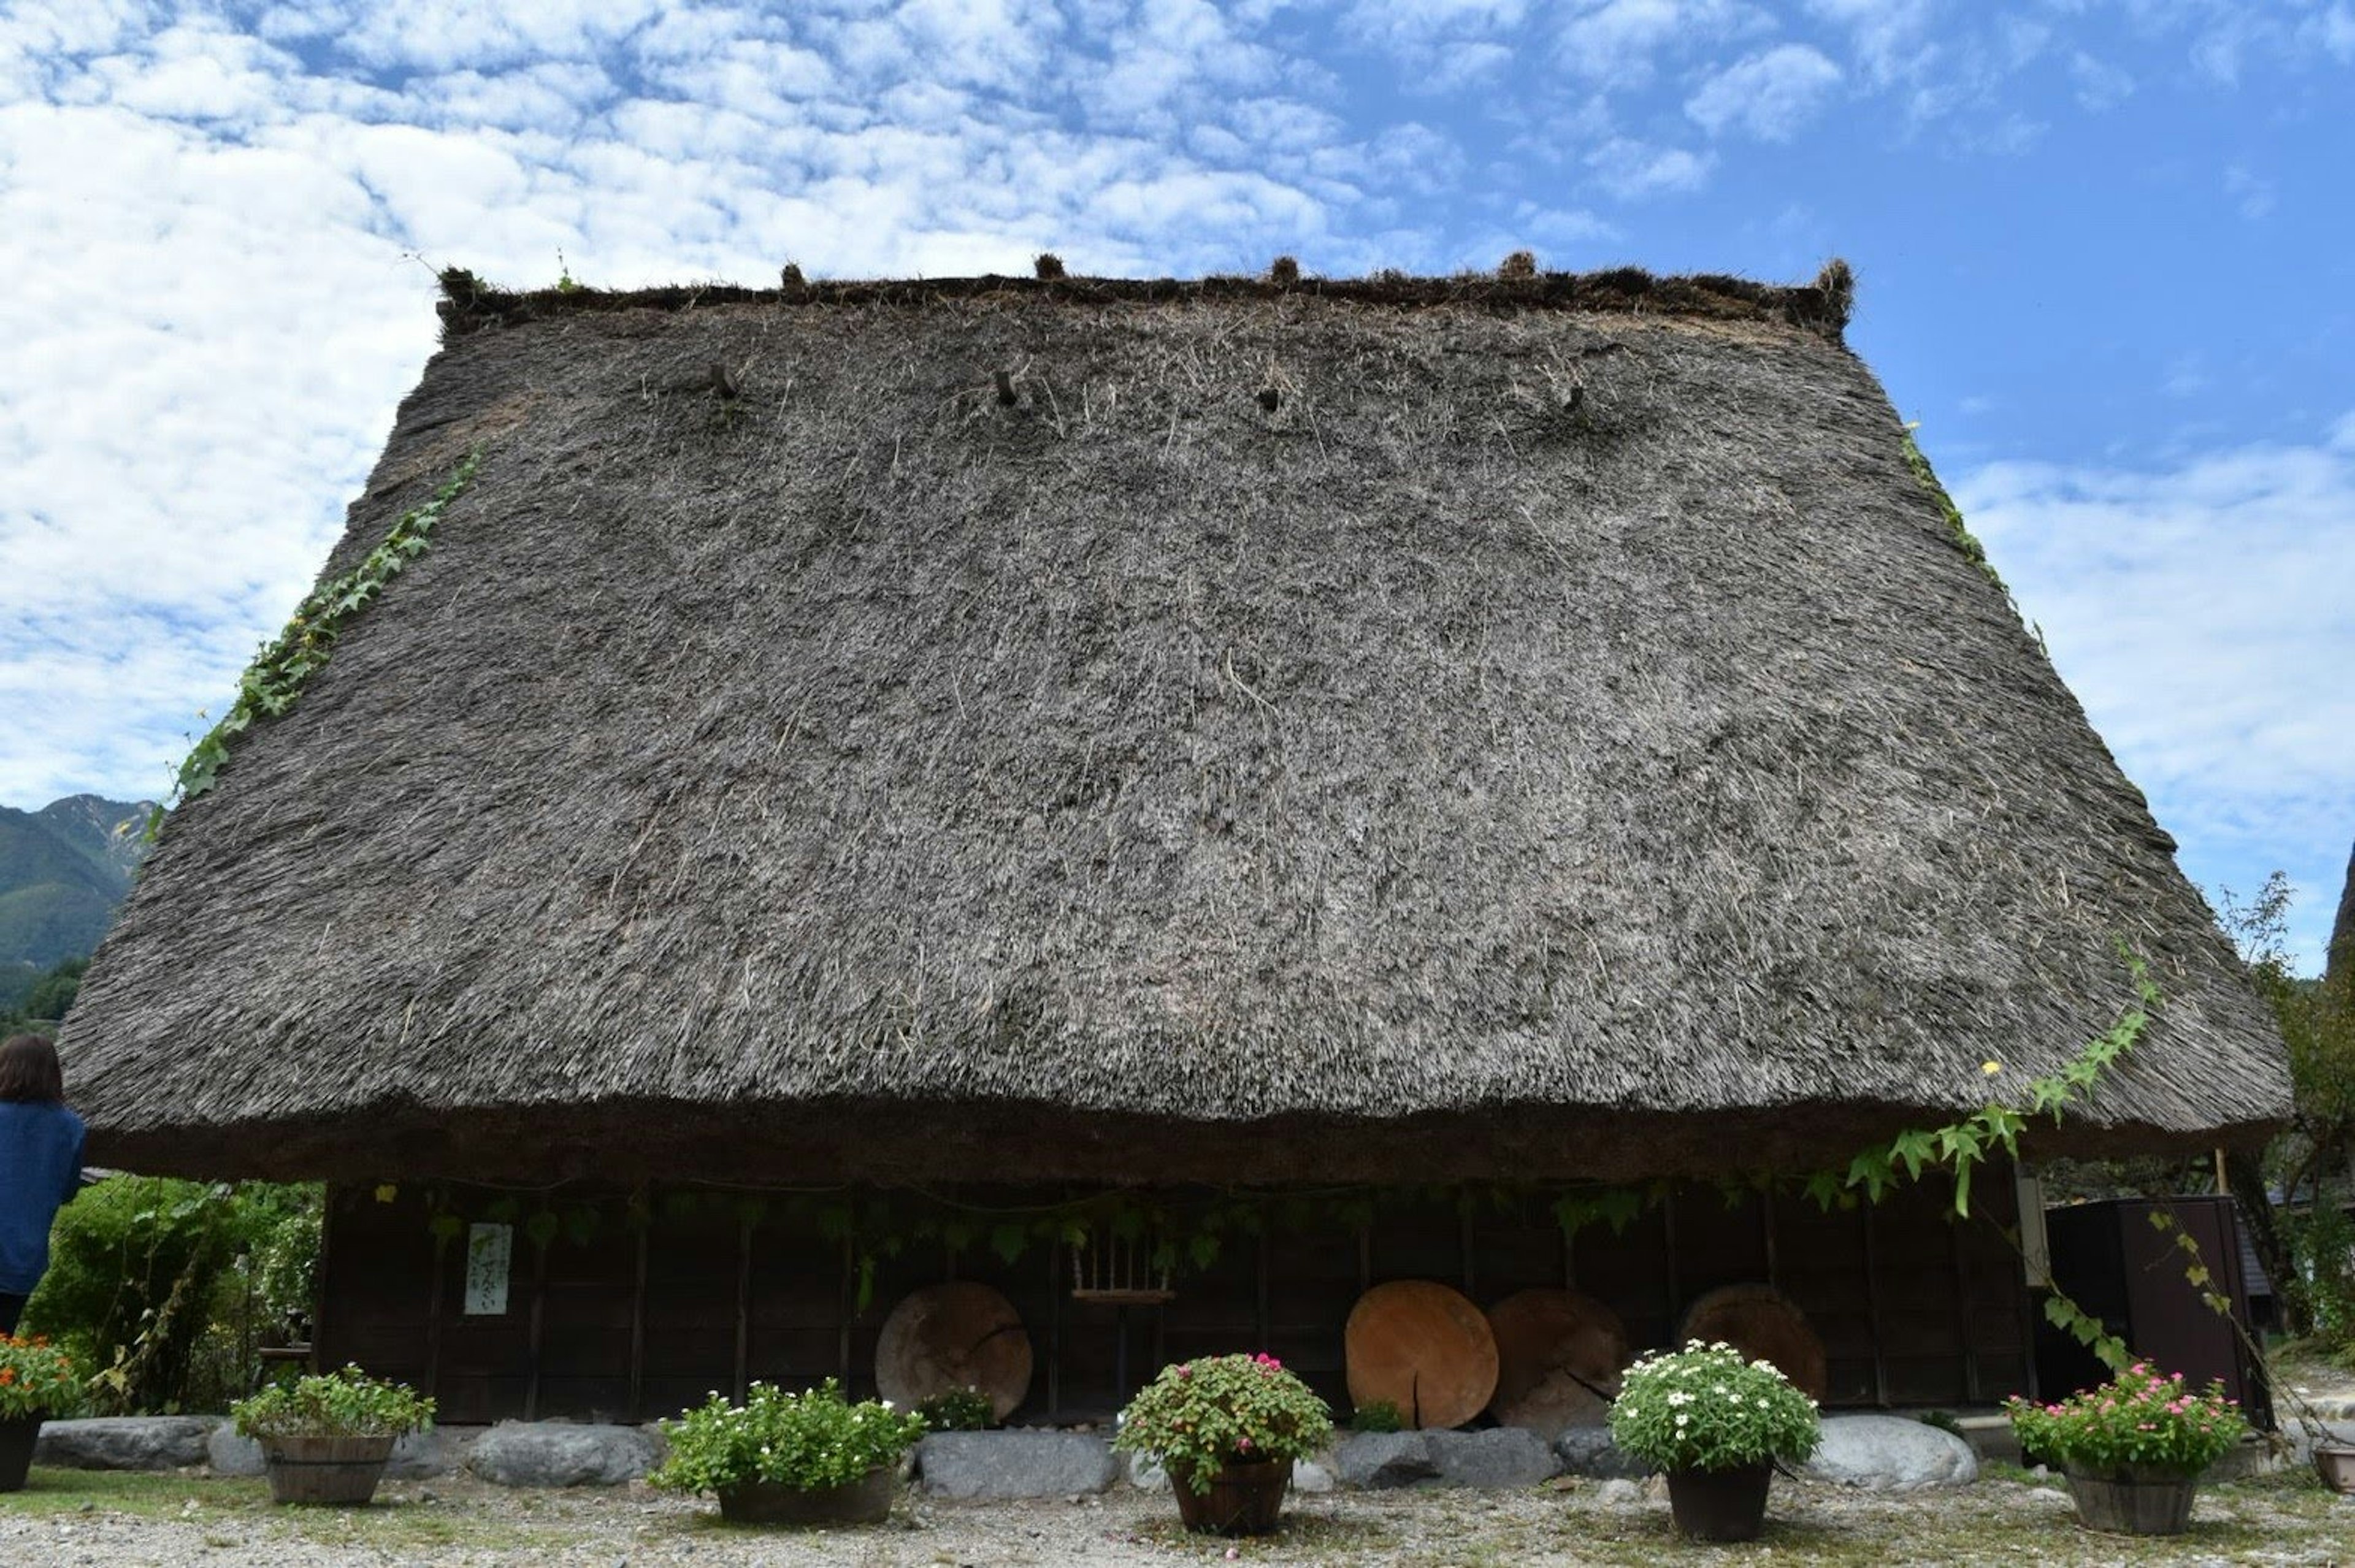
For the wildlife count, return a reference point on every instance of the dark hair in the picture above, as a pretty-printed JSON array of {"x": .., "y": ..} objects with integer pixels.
[{"x": 29, "y": 1070}]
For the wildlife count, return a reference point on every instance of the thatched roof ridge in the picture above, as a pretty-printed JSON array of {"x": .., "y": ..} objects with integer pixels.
[
  {"x": 470, "y": 304},
  {"x": 1219, "y": 737}
]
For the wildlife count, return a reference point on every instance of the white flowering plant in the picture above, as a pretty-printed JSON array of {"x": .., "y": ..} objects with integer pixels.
[
  {"x": 810, "y": 1440},
  {"x": 1705, "y": 1408}
]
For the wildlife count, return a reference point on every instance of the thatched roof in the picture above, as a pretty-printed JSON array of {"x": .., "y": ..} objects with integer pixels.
[{"x": 1220, "y": 731}]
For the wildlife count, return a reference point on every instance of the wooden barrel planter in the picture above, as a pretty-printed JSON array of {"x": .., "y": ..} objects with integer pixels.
[
  {"x": 866, "y": 1500},
  {"x": 1243, "y": 1500},
  {"x": 1423, "y": 1348},
  {"x": 955, "y": 1336},
  {"x": 340, "y": 1471},
  {"x": 17, "y": 1435},
  {"x": 1559, "y": 1356},
  {"x": 2157, "y": 1503},
  {"x": 1763, "y": 1325}
]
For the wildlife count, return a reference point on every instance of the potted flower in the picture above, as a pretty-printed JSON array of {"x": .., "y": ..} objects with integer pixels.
[
  {"x": 325, "y": 1438},
  {"x": 1227, "y": 1430},
  {"x": 791, "y": 1459},
  {"x": 35, "y": 1381},
  {"x": 2133, "y": 1449},
  {"x": 1714, "y": 1425}
]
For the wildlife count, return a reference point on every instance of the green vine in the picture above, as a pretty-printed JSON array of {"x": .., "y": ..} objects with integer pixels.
[
  {"x": 1965, "y": 541},
  {"x": 271, "y": 682}
]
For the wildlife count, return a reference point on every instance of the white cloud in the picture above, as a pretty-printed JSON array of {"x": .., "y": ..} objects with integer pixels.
[
  {"x": 1632, "y": 170},
  {"x": 2205, "y": 615},
  {"x": 1768, "y": 95},
  {"x": 1619, "y": 43}
]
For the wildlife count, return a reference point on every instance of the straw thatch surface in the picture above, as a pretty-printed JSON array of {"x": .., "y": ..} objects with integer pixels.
[{"x": 1295, "y": 736}]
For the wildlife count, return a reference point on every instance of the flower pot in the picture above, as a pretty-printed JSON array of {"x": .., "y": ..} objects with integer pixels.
[
  {"x": 866, "y": 1500},
  {"x": 17, "y": 1433},
  {"x": 2134, "y": 1502},
  {"x": 1243, "y": 1500},
  {"x": 1719, "y": 1505},
  {"x": 2334, "y": 1462},
  {"x": 334, "y": 1470}
]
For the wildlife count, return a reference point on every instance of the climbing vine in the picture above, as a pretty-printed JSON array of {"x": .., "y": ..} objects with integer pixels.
[
  {"x": 271, "y": 682},
  {"x": 1966, "y": 540}
]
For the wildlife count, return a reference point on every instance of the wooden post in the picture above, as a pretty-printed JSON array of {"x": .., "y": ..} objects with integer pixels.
[
  {"x": 1365, "y": 1258},
  {"x": 1669, "y": 1230},
  {"x": 1261, "y": 1323},
  {"x": 1569, "y": 1258},
  {"x": 1464, "y": 1253},
  {"x": 744, "y": 1301},
  {"x": 536, "y": 1332},
  {"x": 638, "y": 1322},
  {"x": 433, "y": 1320},
  {"x": 1054, "y": 1326},
  {"x": 1766, "y": 1224},
  {"x": 1873, "y": 1309},
  {"x": 845, "y": 1296},
  {"x": 1962, "y": 1312}
]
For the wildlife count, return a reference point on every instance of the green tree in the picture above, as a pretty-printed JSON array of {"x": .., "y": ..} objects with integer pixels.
[
  {"x": 53, "y": 993},
  {"x": 2312, "y": 1162}
]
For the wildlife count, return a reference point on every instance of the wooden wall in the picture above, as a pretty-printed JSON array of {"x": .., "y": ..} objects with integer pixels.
[{"x": 640, "y": 1304}]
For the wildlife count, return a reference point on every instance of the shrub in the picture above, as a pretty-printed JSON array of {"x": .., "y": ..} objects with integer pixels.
[
  {"x": 1377, "y": 1416},
  {"x": 1202, "y": 1415},
  {"x": 959, "y": 1410},
  {"x": 2138, "y": 1420},
  {"x": 35, "y": 1378},
  {"x": 347, "y": 1404},
  {"x": 165, "y": 1289},
  {"x": 805, "y": 1440},
  {"x": 1705, "y": 1408}
]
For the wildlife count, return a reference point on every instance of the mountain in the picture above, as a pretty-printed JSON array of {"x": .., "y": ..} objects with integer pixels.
[{"x": 63, "y": 868}]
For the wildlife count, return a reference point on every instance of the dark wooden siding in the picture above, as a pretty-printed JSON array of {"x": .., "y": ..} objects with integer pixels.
[{"x": 627, "y": 1305}]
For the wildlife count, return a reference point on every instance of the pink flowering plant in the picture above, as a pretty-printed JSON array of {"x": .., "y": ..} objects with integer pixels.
[
  {"x": 1705, "y": 1408},
  {"x": 2141, "y": 1420},
  {"x": 1202, "y": 1415}
]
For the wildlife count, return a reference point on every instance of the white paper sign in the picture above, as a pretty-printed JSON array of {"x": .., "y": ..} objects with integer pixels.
[{"x": 490, "y": 1251}]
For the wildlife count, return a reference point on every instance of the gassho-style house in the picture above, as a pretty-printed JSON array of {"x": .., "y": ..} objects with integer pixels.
[{"x": 1163, "y": 806}]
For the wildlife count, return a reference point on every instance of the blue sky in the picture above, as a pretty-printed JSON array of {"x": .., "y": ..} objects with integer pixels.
[{"x": 2104, "y": 252}]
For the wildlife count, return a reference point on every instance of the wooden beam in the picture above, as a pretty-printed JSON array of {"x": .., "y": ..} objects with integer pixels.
[
  {"x": 1766, "y": 1225},
  {"x": 1261, "y": 1324}
]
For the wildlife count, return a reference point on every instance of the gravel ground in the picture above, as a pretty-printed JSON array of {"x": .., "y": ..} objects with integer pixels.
[{"x": 148, "y": 1521}]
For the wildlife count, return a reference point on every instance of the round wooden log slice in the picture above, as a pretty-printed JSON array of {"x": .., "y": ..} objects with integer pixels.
[
  {"x": 1423, "y": 1347},
  {"x": 1559, "y": 1355},
  {"x": 1761, "y": 1322},
  {"x": 954, "y": 1336}
]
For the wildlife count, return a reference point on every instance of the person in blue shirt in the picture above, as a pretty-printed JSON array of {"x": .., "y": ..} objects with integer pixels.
[{"x": 40, "y": 1165}]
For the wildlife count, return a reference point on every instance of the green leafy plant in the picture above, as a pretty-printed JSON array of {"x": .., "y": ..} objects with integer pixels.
[
  {"x": 2140, "y": 1420},
  {"x": 1705, "y": 1408},
  {"x": 1202, "y": 1415},
  {"x": 807, "y": 1440},
  {"x": 346, "y": 1404},
  {"x": 35, "y": 1378},
  {"x": 271, "y": 682},
  {"x": 959, "y": 1410},
  {"x": 1377, "y": 1416}
]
